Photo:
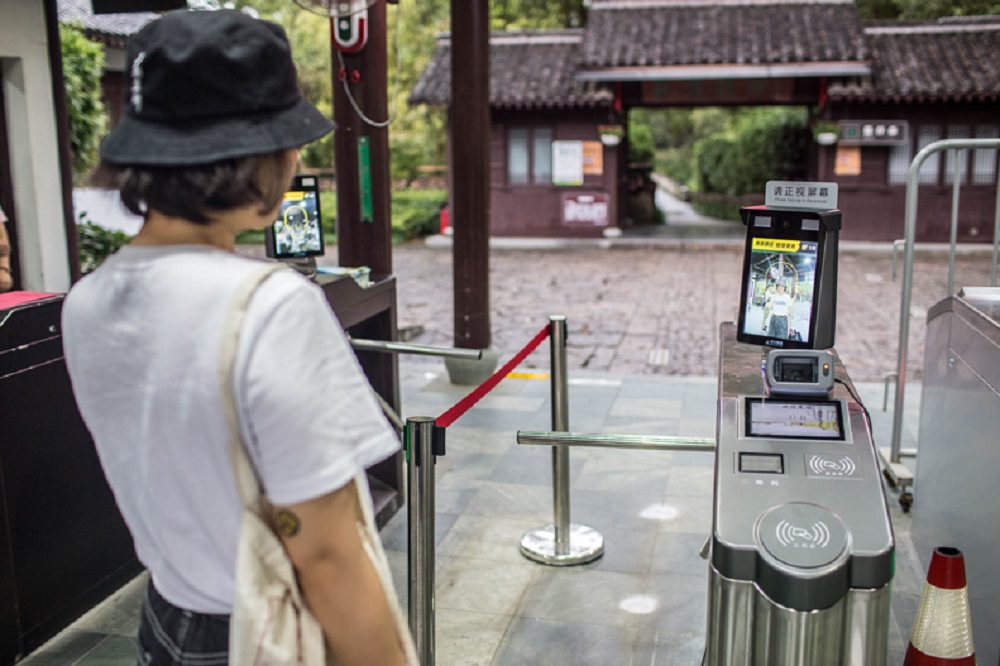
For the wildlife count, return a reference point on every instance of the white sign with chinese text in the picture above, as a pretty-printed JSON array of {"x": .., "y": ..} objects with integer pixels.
[
  {"x": 585, "y": 209},
  {"x": 792, "y": 194},
  {"x": 567, "y": 162}
]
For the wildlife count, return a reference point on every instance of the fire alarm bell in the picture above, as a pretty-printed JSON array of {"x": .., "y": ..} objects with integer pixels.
[{"x": 349, "y": 26}]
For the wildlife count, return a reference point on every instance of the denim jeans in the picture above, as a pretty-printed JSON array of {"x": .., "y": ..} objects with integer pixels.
[{"x": 171, "y": 636}]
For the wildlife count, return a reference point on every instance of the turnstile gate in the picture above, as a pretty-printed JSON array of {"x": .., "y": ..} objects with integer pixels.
[{"x": 802, "y": 547}]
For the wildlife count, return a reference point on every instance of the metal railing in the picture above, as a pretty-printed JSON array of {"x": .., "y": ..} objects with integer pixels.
[
  {"x": 422, "y": 446},
  {"x": 910, "y": 227},
  {"x": 391, "y": 347},
  {"x": 646, "y": 442},
  {"x": 561, "y": 543}
]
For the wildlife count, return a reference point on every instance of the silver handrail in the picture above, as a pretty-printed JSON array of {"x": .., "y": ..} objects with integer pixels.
[
  {"x": 647, "y": 442},
  {"x": 910, "y": 227},
  {"x": 391, "y": 347}
]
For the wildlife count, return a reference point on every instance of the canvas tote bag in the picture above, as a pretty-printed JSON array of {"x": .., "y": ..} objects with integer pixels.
[{"x": 271, "y": 624}]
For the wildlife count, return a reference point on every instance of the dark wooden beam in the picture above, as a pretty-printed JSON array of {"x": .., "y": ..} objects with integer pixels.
[
  {"x": 62, "y": 138},
  {"x": 363, "y": 239},
  {"x": 470, "y": 181}
]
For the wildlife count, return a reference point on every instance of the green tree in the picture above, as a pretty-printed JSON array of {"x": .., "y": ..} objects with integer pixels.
[
  {"x": 536, "y": 14},
  {"x": 925, "y": 9},
  {"x": 931, "y": 9},
  {"x": 877, "y": 9},
  {"x": 83, "y": 62}
]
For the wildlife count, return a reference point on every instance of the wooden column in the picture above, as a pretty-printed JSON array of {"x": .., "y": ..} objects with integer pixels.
[
  {"x": 364, "y": 233},
  {"x": 470, "y": 181}
]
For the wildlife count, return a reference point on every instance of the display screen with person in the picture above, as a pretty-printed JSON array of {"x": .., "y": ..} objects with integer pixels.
[
  {"x": 207, "y": 148},
  {"x": 780, "y": 287}
]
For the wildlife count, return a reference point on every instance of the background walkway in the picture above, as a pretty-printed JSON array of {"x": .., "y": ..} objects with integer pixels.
[{"x": 653, "y": 306}]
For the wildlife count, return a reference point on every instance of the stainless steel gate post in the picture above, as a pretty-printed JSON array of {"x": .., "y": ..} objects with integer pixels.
[
  {"x": 891, "y": 455},
  {"x": 562, "y": 543},
  {"x": 420, "y": 461}
]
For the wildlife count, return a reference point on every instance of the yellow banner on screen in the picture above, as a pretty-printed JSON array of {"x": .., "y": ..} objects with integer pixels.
[{"x": 776, "y": 244}]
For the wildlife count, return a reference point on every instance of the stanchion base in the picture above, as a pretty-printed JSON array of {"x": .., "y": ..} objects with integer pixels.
[{"x": 585, "y": 545}]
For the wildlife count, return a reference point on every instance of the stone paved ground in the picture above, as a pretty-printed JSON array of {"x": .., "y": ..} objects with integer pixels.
[{"x": 656, "y": 309}]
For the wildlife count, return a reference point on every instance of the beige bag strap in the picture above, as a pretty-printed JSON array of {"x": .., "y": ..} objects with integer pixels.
[{"x": 246, "y": 478}]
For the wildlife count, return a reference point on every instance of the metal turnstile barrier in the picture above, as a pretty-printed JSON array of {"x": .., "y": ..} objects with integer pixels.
[
  {"x": 898, "y": 473},
  {"x": 802, "y": 546}
]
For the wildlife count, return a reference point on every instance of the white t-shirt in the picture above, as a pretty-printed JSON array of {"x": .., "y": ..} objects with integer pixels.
[
  {"x": 780, "y": 304},
  {"x": 142, "y": 336}
]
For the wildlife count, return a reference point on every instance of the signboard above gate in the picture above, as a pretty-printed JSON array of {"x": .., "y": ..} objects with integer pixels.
[{"x": 874, "y": 132}]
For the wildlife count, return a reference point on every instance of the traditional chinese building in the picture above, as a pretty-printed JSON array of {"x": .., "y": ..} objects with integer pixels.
[
  {"x": 896, "y": 86},
  {"x": 929, "y": 81}
]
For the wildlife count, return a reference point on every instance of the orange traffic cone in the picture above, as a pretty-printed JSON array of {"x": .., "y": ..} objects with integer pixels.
[{"x": 942, "y": 632}]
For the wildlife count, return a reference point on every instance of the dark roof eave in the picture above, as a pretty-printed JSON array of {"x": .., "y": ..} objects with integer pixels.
[
  {"x": 915, "y": 98},
  {"x": 708, "y": 72},
  {"x": 550, "y": 104}
]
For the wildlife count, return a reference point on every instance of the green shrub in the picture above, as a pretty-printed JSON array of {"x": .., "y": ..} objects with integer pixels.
[
  {"x": 416, "y": 213},
  {"x": 718, "y": 165},
  {"x": 720, "y": 210},
  {"x": 676, "y": 163},
  {"x": 83, "y": 63},
  {"x": 760, "y": 145},
  {"x": 96, "y": 243},
  {"x": 641, "y": 147}
]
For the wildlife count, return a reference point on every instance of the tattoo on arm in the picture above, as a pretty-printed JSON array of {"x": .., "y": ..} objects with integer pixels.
[{"x": 287, "y": 522}]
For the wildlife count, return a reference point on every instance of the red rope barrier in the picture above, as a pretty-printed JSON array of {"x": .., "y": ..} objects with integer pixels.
[{"x": 463, "y": 405}]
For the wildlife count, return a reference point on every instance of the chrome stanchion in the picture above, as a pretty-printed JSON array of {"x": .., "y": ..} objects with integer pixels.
[
  {"x": 420, "y": 512},
  {"x": 561, "y": 543}
]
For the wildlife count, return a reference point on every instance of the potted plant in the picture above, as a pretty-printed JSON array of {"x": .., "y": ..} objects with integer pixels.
[{"x": 611, "y": 135}]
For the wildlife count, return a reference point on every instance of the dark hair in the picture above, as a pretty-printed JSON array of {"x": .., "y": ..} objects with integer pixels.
[{"x": 195, "y": 192}]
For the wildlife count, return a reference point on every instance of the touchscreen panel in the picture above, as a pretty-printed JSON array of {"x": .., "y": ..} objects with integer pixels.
[
  {"x": 780, "y": 283},
  {"x": 297, "y": 231},
  {"x": 794, "y": 420}
]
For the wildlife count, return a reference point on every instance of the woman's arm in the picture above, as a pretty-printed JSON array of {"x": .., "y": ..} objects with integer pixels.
[
  {"x": 338, "y": 580},
  {"x": 6, "y": 278}
]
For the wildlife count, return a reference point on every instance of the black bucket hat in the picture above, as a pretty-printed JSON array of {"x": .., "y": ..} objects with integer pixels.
[{"x": 205, "y": 86}]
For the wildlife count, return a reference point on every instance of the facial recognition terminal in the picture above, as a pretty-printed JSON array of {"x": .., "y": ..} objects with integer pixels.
[
  {"x": 297, "y": 232},
  {"x": 802, "y": 547},
  {"x": 789, "y": 297}
]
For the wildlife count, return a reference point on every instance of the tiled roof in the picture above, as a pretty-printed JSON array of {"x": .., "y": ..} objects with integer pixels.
[
  {"x": 528, "y": 69},
  {"x": 109, "y": 29},
  {"x": 672, "y": 33},
  {"x": 948, "y": 60}
]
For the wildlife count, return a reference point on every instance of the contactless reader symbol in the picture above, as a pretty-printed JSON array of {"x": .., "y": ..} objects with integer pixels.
[
  {"x": 822, "y": 466},
  {"x": 832, "y": 466},
  {"x": 790, "y": 536}
]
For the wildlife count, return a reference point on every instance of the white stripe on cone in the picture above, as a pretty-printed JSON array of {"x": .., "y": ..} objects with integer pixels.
[{"x": 943, "y": 627}]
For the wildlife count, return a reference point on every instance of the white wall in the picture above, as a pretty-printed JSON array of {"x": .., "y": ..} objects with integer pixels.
[{"x": 34, "y": 149}]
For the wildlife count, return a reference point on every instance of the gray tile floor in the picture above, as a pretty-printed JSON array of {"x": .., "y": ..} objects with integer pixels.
[{"x": 644, "y": 602}]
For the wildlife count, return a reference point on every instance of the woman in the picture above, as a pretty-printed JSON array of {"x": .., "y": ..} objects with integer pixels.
[
  {"x": 779, "y": 304},
  {"x": 206, "y": 149}
]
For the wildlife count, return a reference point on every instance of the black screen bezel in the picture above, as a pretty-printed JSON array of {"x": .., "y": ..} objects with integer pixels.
[
  {"x": 301, "y": 183},
  {"x": 747, "y": 423},
  {"x": 778, "y": 231}
]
